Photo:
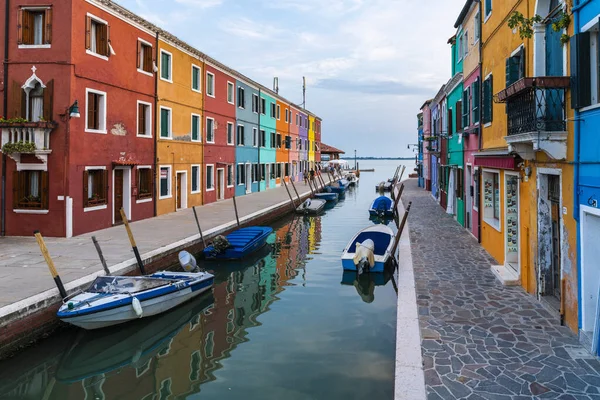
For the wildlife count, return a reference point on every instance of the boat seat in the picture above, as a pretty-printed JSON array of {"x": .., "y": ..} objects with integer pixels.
[{"x": 381, "y": 240}]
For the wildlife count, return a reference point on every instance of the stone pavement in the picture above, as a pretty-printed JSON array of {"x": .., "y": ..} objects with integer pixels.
[
  {"x": 23, "y": 272},
  {"x": 479, "y": 339}
]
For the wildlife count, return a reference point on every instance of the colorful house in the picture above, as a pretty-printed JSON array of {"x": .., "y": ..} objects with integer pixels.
[
  {"x": 294, "y": 151},
  {"x": 470, "y": 21},
  {"x": 318, "y": 122},
  {"x": 437, "y": 144},
  {"x": 303, "y": 123},
  {"x": 311, "y": 142},
  {"x": 179, "y": 154},
  {"x": 268, "y": 140},
  {"x": 247, "y": 140},
  {"x": 427, "y": 144},
  {"x": 420, "y": 142},
  {"x": 85, "y": 152},
  {"x": 283, "y": 141}
]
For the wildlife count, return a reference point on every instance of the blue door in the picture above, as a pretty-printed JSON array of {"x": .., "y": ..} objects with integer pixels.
[{"x": 434, "y": 176}]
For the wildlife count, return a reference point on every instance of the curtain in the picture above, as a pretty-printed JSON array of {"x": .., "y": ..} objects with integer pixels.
[
  {"x": 34, "y": 183},
  {"x": 37, "y": 108}
]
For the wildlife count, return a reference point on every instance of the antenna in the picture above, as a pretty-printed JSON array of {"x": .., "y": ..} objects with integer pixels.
[
  {"x": 303, "y": 92},
  {"x": 276, "y": 85}
]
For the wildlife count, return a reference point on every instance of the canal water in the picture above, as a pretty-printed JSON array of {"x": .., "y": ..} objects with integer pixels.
[{"x": 287, "y": 324}]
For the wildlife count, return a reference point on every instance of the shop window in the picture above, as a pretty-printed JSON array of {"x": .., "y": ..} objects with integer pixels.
[
  {"x": 491, "y": 198},
  {"x": 30, "y": 190},
  {"x": 165, "y": 182}
]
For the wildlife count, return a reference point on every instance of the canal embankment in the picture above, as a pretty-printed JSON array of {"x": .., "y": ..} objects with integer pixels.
[{"x": 29, "y": 300}]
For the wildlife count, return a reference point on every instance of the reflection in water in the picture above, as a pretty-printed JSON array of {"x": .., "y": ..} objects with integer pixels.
[{"x": 276, "y": 326}]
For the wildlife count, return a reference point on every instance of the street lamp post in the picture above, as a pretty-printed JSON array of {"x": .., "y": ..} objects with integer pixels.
[
  {"x": 71, "y": 112},
  {"x": 355, "y": 165}
]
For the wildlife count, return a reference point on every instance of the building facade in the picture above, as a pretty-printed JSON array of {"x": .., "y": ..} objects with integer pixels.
[{"x": 247, "y": 140}]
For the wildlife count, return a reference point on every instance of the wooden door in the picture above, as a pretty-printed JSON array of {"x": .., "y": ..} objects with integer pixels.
[
  {"x": 118, "y": 190},
  {"x": 178, "y": 189}
]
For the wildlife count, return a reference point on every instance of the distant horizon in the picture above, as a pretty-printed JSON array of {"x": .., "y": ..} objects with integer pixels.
[{"x": 377, "y": 158}]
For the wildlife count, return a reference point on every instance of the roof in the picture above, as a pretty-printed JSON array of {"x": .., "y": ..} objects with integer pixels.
[
  {"x": 326, "y": 149},
  {"x": 426, "y": 103},
  {"x": 463, "y": 13}
]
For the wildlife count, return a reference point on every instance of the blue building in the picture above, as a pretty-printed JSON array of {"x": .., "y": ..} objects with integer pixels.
[
  {"x": 420, "y": 150},
  {"x": 247, "y": 140},
  {"x": 585, "y": 96}
]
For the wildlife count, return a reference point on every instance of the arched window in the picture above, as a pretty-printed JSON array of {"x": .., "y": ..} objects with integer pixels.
[{"x": 36, "y": 103}]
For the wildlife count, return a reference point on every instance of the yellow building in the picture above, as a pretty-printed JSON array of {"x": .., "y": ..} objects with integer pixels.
[
  {"x": 527, "y": 182},
  {"x": 311, "y": 141},
  {"x": 179, "y": 118}
]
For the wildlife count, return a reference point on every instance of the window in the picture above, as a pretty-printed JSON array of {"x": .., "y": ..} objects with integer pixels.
[
  {"x": 278, "y": 140},
  {"x": 477, "y": 28},
  {"x": 287, "y": 115},
  {"x": 278, "y": 112},
  {"x": 196, "y": 78},
  {"x": 30, "y": 190},
  {"x": 254, "y": 173},
  {"x": 460, "y": 178},
  {"x": 229, "y": 175},
  {"x": 144, "y": 183},
  {"x": 166, "y": 66},
  {"x": 515, "y": 67},
  {"x": 263, "y": 138},
  {"x": 34, "y": 27},
  {"x": 210, "y": 133},
  {"x": 254, "y": 137},
  {"x": 241, "y": 97},
  {"x": 230, "y": 133},
  {"x": 288, "y": 142},
  {"x": 35, "y": 103},
  {"x": 210, "y": 84},
  {"x": 196, "y": 179},
  {"x": 144, "y": 124},
  {"x": 487, "y": 105},
  {"x": 95, "y": 111},
  {"x": 230, "y": 93},
  {"x": 278, "y": 170},
  {"x": 210, "y": 183},
  {"x": 287, "y": 169},
  {"x": 488, "y": 8},
  {"x": 165, "y": 123},
  {"x": 165, "y": 182},
  {"x": 491, "y": 198},
  {"x": 240, "y": 135},
  {"x": 585, "y": 67},
  {"x": 97, "y": 40},
  {"x": 466, "y": 107},
  {"x": 255, "y": 103},
  {"x": 196, "y": 137},
  {"x": 95, "y": 187},
  {"x": 273, "y": 106},
  {"x": 465, "y": 43},
  {"x": 263, "y": 171},
  {"x": 476, "y": 199},
  {"x": 263, "y": 106},
  {"x": 144, "y": 56},
  {"x": 297, "y": 119},
  {"x": 273, "y": 139},
  {"x": 273, "y": 171},
  {"x": 241, "y": 174},
  {"x": 475, "y": 98}
]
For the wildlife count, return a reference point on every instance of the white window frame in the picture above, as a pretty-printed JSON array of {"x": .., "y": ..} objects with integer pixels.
[
  {"x": 170, "y": 137},
  {"x": 199, "y": 172},
  {"x": 199, "y": 140},
  {"x": 97, "y": 20},
  {"x": 104, "y": 111},
  {"x": 148, "y": 119},
  {"x": 212, "y": 89},
  {"x": 199, "y": 90},
  {"x": 255, "y": 137},
  {"x": 255, "y": 96},
  {"x": 487, "y": 12},
  {"x": 170, "y": 79},
  {"x": 145, "y": 42},
  {"x": 496, "y": 224},
  {"x": 169, "y": 182},
  {"x": 232, "y": 175},
  {"x": 233, "y": 133},
  {"x": 477, "y": 28},
  {"x": 465, "y": 42},
  {"x": 287, "y": 115},
  {"x": 243, "y": 89},
  {"x": 148, "y": 200},
  {"x": 278, "y": 112},
  {"x": 232, "y": 86},
  {"x": 213, "y": 130},
  {"x": 213, "y": 177},
  {"x": 35, "y": 46},
  {"x": 237, "y": 131},
  {"x": 238, "y": 175},
  {"x": 102, "y": 206}
]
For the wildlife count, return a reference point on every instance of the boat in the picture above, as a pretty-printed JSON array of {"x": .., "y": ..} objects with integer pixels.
[
  {"x": 98, "y": 352},
  {"x": 238, "y": 244},
  {"x": 113, "y": 300},
  {"x": 311, "y": 206},
  {"x": 386, "y": 186},
  {"x": 327, "y": 196},
  {"x": 365, "y": 284},
  {"x": 382, "y": 206},
  {"x": 352, "y": 179},
  {"x": 340, "y": 186},
  {"x": 370, "y": 249}
]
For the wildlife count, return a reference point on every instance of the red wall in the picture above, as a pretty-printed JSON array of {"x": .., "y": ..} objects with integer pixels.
[{"x": 220, "y": 153}]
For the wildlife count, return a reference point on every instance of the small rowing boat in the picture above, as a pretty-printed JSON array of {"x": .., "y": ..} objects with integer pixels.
[
  {"x": 239, "y": 243},
  {"x": 382, "y": 207},
  {"x": 311, "y": 206},
  {"x": 370, "y": 249}
]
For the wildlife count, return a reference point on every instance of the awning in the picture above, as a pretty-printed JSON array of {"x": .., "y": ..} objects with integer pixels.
[
  {"x": 128, "y": 163},
  {"x": 495, "y": 159}
]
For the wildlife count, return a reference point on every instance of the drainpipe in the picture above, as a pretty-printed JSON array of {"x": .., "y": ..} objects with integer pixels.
[
  {"x": 480, "y": 117},
  {"x": 5, "y": 112},
  {"x": 259, "y": 144},
  {"x": 576, "y": 195},
  {"x": 156, "y": 132}
]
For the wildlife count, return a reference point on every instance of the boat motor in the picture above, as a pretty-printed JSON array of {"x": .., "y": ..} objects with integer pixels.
[
  {"x": 364, "y": 257},
  {"x": 187, "y": 261}
]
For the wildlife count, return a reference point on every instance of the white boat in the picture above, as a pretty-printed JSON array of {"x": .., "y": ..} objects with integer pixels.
[
  {"x": 112, "y": 300},
  {"x": 311, "y": 206},
  {"x": 369, "y": 249}
]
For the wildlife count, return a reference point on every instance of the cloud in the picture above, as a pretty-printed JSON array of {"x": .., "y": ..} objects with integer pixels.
[
  {"x": 249, "y": 29},
  {"x": 372, "y": 87},
  {"x": 201, "y": 3}
]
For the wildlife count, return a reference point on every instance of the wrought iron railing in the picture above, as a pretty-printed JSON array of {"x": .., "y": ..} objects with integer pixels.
[{"x": 536, "y": 109}]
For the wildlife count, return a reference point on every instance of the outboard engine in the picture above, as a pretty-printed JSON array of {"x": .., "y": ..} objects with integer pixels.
[
  {"x": 364, "y": 257},
  {"x": 187, "y": 261},
  {"x": 220, "y": 244}
]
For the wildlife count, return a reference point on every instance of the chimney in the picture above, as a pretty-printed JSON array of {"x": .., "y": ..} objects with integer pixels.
[{"x": 276, "y": 85}]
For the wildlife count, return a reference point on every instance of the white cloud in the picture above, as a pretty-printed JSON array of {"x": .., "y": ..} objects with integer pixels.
[{"x": 200, "y": 3}]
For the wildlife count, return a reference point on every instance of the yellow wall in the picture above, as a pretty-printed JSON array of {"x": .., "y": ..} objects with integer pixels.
[
  {"x": 180, "y": 153},
  {"x": 311, "y": 138},
  {"x": 471, "y": 60}
]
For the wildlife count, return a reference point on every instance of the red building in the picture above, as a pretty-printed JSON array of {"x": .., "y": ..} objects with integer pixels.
[
  {"x": 219, "y": 134},
  {"x": 67, "y": 174}
]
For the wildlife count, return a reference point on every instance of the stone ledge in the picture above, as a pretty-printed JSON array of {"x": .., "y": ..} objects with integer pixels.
[{"x": 505, "y": 275}]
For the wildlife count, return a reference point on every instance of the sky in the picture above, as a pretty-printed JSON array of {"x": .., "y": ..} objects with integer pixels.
[{"x": 369, "y": 64}]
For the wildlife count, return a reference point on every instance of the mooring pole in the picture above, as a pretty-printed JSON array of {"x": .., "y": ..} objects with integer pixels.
[
  {"x": 132, "y": 241},
  {"x": 400, "y": 229},
  {"x": 294, "y": 186},
  {"x": 401, "y": 173},
  {"x": 51, "y": 267},
  {"x": 237, "y": 218},
  {"x": 311, "y": 188},
  {"x": 293, "y": 204},
  {"x": 102, "y": 260},
  {"x": 198, "y": 224}
]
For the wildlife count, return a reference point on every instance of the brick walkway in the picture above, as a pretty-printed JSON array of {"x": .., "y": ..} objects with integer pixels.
[{"x": 481, "y": 340}]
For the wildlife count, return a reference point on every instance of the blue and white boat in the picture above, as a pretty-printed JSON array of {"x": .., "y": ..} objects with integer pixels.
[
  {"x": 112, "y": 300},
  {"x": 328, "y": 195},
  {"x": 340, "y": 186},
  {"x": 239, "y": 243},
  {"x": 382, "y": 206},
  {"x": 370, "y": 249}
]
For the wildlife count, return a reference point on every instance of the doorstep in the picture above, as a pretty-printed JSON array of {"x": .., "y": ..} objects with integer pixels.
[{"x": 506, "y": 275}]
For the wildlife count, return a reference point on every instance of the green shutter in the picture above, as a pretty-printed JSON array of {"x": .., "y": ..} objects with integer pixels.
[
  {"x": 165, "y": 73},
  {"x": 475, "y": 105},
  {"x": 164, "y": 123},
  {"x": 195, "y": 127},
  {"x": 195, "y": 83}
]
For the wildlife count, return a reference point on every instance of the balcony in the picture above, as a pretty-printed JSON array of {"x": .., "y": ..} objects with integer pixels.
[
  {"x": 536, "y": 116},
  {"x": 22, "y": 137}
]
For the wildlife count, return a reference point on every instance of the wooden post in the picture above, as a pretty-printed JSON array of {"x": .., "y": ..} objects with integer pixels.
[
  {"x": 312, "y": 192},
  {"x": 293, "y": 204},
  {"x": 102, "y": 260},
  {"x": 400, "y": 229},
  {"x": 51, "y": 267},
  {"x": 132, "y": 241},
  {"x": 294, "y": 186},
  {"x": 402, "y": 173},
  {"x": 237, "y": 218},
  {"x": 199, "y": 229},
  {"x": 330, "y": 177}
]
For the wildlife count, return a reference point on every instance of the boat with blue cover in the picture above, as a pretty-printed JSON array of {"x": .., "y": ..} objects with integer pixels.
[
  {"x": 112, "y": 300},
  {"x": 239, "y": 243},
  {"x": 370, "y": 249},
  {"x": 328, "y": 195},
  {"x": 340, "y": 186},
  {"x": 382, "y": 206}
]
